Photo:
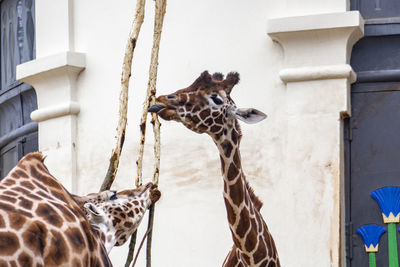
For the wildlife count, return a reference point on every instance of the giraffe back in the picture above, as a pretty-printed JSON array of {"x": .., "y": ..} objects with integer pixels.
[{"x": 40, "y": 222}]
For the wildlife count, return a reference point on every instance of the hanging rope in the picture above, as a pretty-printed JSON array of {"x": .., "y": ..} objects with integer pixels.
[
  {"x": 160, "y": 9},
  {"x": 123, "y": 97},
  {"x": 150, "y": 99}
]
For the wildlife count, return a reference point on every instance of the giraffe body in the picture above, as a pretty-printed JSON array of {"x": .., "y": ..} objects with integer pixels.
[
  {"x": 206, "y": 107},
  {"x": 42, "y": 224}
]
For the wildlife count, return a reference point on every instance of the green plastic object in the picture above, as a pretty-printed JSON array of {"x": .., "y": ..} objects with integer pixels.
[
  {"x": 371, "y": 233},
  {"x": 372, "y": 259},
  {"x": 392, "y": 240}
]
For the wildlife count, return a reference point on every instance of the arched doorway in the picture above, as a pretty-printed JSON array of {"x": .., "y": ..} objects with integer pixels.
[{"x": 18, "y": 133}]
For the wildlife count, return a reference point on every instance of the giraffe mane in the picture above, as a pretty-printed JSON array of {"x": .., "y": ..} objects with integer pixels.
[
  {"x": 37, "y": 155},
  {"x": 256, "y": 201}
]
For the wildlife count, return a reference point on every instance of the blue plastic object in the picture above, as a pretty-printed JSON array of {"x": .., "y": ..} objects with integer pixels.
[
  {"x": 371, "y": 233},
  {"x": 388, "y": 199}
]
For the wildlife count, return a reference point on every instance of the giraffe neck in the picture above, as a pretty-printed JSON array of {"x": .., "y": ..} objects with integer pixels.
[
  {"x": 107, "y": 236},
  {"x": 242, "y": 205}
]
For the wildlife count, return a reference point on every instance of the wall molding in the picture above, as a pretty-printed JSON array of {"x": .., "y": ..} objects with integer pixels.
[
  {"x": 317, "y": 73},
  {"x": 54, "y": 79},
  {"x": 73, "y": 61},
  {"x": 64, "y": 109},
  {"x": 314, "y": 22}
]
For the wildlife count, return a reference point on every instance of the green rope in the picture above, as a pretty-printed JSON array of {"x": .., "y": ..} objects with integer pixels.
[
  {"x": 392, "y": 240},
  {"x": 372, "y": 259}
]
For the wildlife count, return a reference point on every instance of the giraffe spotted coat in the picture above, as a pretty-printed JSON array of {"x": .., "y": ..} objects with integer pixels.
[
  {"x": 206, "y": 107},
  {"x": 41, "y": 224}
]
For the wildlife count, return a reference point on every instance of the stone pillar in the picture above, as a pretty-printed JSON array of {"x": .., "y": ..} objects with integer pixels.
[
  {"x": 317, "y": 75},
  {"x": 53, "y": 74}
]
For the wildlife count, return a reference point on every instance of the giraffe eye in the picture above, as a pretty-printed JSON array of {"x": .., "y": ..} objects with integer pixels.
[
  {"x": 216, "y": 99},
  {"x": 114, "y": 196}
]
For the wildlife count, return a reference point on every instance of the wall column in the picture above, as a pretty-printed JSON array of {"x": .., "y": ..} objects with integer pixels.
[
  {"x": 53, "y": 74},
  {"x": 317, "y": 75}
]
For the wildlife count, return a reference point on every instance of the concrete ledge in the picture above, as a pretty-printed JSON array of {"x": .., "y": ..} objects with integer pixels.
[
  {"x": 314, "y": 22},
  {"x": 75, "y": 61},
  {"x": 317, "y": 73},
  {"x": 69, "y": 108}
]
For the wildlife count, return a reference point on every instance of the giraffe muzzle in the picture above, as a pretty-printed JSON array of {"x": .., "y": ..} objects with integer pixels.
[{"x": 155, "y": 108}]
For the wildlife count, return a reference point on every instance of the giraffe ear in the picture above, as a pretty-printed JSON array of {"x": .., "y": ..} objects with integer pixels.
[
  {"x": 249, "y": 115},
  {"x": 93, "y": 210}
]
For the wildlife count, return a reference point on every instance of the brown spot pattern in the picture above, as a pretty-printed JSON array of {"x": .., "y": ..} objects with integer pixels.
[
  {"x": 260, "y": 253},
  {"x": 251, "y": 238},
  {"x": 204, "y": 114},
  {"x": 75, "y": 238},
  {"x": 2, "y": 223},
  {"x": 8, "y": 199},
  {"x": 49, "y": 214},
  {"x": 9, "y": 243},
  {"x": 47, "y": 181},
  {"x": 25, "y": 203},
  {"x": 24, "y": 259},
  {"x": 16, "y": 220},
  {"x": 67, "y": 214},
  {"x": 244, "y": 223},
  {"x": 236, "y": 192},
  {"x": 232, "y": 172},
  {"x": 227, "y": 148},
  {"x": 58, "y": 253},
  {"x": 230, "y": 211},
  {"x": 215, "y": 129},
  {"x": 27, "y": 185},
  {"x": 35, "y": 237}
]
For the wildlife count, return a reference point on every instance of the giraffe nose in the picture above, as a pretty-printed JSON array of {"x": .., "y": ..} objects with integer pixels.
[
  {"x": 155, "y": 108},
  {"x": 155, "y": 194}
]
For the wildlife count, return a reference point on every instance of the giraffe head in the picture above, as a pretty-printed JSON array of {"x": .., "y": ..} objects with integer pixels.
[
  {"x": 206, "y": 105},
  {"x": 116, "y": 215}
]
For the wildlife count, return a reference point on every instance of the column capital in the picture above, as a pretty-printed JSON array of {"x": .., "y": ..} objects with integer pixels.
[
  {"x": 317, "y": 40},
  {"x": 54, "y": 80}
]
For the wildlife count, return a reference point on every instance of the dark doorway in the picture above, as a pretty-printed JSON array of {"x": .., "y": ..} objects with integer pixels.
[
  {"x": 18, "y": 134},
  {"x": 372, "y": 134}
]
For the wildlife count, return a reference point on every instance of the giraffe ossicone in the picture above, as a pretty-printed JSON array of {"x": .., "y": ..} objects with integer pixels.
[
  {"x": 206, "y": 107},
  {"x": 42, "y": 224}
]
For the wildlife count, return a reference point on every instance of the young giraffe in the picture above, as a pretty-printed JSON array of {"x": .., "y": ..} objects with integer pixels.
[
  {"x": 206, "y": 107},
  {"x": 41, "y": 224}
]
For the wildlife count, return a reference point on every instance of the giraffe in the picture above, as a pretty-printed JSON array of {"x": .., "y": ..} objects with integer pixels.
[
  {"x": 206, "y": 107},
  {"x": 42, "y": 224}
]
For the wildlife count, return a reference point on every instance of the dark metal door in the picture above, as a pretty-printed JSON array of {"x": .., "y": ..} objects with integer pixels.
[
  {"x": 372, "y": 134},
  {"x": 18, "y": 134}
]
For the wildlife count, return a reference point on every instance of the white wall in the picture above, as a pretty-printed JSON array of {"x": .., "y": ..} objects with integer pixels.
[
  {"x": 296, "y": 175},
  {"x": 191, "y": 227}
]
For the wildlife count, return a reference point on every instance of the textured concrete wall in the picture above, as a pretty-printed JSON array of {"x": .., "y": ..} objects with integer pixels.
[{"x": 292, "y": 159}]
